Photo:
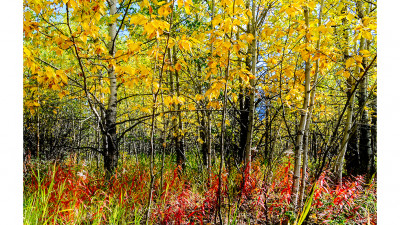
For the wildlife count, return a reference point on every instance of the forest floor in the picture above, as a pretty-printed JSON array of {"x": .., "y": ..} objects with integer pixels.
[{"x": 74, "y": 192}]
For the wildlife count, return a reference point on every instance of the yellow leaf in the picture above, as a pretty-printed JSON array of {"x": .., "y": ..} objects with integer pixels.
[
  {"x": 180, "y": 3},
  {"x": 149, "y": 29},
  {"x": 155, "y": 87},
  {"x": 236, "y": 22},
  {"x": 146, "y": 3},
  {"x": 209, "y": 94},
  {"x": 138, "y": 19},
  {"x": 248, "y": 13},
  {"x": 188, "y": 3},
  {"x": 357, "y": 37},
  {"x": 217, "y": 20},
  {"x": 63, "y": 76},
  {"x": 55, "y": 87},
  {"x": 239, "y": 3},
  {"x": 164, "y": 10},
  {"x": 168, "y": 100},
  {"x": 350, "y": 17},
  {"x": 134, "y": 46},
  {"x": 339, "y": 72},
  {"x": 185, "y": 45},
  {"x": 367, "y": 35},
  {"x": 192, "y": 107},
  {"x": 58, "y": 52},
  {"x": 346, "y": 74},
  {"x": 181, "y": 99},
  {"x": 146, "y": 110},
  {"x": 364, "y": 52},
  {"x": 227, "y": 44},
  {"x": 349, "y": 62},
  {"x": 73, "y": 4},
  {"x": 198, "y": 97},
  {"x": 61, "y": 94},
  {"x": 171, "y": 42},
  {"x": 358, "y": 58},
  {"x": 178, "y": 66},
  {"x": 234, "y": 97},
  {"x": 249, "y": 38}
]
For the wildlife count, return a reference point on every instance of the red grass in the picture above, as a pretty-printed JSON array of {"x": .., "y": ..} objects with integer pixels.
[{"x": 75, "y": 188}]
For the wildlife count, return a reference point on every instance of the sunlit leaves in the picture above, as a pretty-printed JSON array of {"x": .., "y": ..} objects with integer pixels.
[
  {"x": 291, "y": 9},
  {"x": 143, "y": 54},
  {"x": 185, "y": 44},
  {"x": 188, "y": 3},
  {"x": 350, "y": 61},
  {"x": 138, "y": 19},
  {"x": 165, "y": 10},
  {"x": 171, "y": 100},
  {"x": 63, "y": 42},
  {"x": 155, "y": 28},
  {"x": 134, "y": 46}
]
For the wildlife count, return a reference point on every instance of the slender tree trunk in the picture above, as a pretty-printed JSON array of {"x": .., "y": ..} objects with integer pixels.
[
  {"x": 302, "y": 126},
  {"x": 244, "y": 99},
  {"x": 223, "y": 131},
  {"x": 308, "y": 120},
  {"x": 172, "y": 94},
  {"x": 244, "y": 104},
  {"x": 203, "y": 136},
  {"x": 179, "y": 144},
  {"x": 38, "y": 132},
  {"x": 267, "y": 151},
  {"x": 349, "y": 118},
  {"x": 352, "y": 155},
  {"x": 110, "y": 137},
  {"x": 209, "y": 120},
  {"x": 164, "y": 141},
  {"x": 151, "y": 159},
  {"x": 343, "y": 144},
  {"x": 365, "y": 148},
  {"x": 249, "y": 135},
  {"x": 222, "y": 140},
  {"x": 373, "y": 133},
  {"x": 155, "y": 93},
  {"x": 98, "y": 138}
]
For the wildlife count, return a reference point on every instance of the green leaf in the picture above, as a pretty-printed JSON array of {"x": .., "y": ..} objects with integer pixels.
[{"x": 307, "y": 205}]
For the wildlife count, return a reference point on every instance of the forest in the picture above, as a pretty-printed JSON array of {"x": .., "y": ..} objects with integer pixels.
[{"x": 200, "y": 112}]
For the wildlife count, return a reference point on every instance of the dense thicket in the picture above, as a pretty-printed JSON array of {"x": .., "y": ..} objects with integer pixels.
[{"x": 227, "y": 82}]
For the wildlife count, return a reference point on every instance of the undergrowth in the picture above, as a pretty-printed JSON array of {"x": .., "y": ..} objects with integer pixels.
[{"x": 77, "y": 193}]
